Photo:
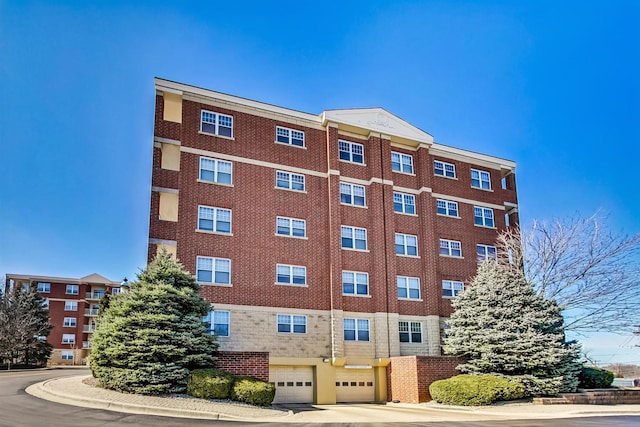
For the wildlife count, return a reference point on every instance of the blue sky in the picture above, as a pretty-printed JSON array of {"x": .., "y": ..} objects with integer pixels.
[{"x": 553, "y": 85}]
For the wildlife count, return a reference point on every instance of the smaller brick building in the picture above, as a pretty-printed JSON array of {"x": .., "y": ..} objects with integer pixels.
[{"x": 73, "y": 309}]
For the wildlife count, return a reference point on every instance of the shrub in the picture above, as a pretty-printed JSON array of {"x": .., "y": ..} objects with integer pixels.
[
  {"x": 253, "y": 391},
  {"x": 210, "y": 383},
  {"x": 475, "y": 390},
  {"x": 595, "y": 378}
]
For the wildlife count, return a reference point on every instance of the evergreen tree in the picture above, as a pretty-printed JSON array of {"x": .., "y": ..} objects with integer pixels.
[
  {"x": 149, "y": 338},
  {"x": 24, "y": 327},
  {"x": 501, "y": 326}
]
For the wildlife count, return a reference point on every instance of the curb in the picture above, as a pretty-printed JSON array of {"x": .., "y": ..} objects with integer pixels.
[{"x": 44, "y": 391}]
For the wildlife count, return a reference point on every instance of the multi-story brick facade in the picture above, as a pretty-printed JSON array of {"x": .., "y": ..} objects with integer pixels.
[
  {"x": 73, "y": 308},
  {"x": 332, "y": 242}
]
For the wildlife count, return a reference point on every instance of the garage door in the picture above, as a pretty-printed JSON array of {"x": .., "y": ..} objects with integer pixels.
[
  {"x": 294, "y": 384},
  {"x": 354, "y": 385}
]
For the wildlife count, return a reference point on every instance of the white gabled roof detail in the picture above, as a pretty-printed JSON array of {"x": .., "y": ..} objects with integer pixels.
[
  {"x": 377, "y": 120},
  {"x": 95, "y": 278}
]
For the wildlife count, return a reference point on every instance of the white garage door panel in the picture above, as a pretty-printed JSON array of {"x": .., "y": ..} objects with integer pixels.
[
  {"x": 354, "y": 385},
  {"x": 294, "y": 384}
]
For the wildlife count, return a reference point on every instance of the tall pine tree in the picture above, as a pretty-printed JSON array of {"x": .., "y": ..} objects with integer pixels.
[
  {"x": 501, "y": 326},
  {"x": 149, "y": 338}
]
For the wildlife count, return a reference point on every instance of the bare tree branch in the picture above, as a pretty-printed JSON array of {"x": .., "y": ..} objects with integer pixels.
[{"x": 591, "y": 272}]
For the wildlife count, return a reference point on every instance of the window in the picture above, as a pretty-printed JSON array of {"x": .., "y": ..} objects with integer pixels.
[
  {"x": 480, "y": 179},
  {"x": 451, "y": 289},
  {"x": 352, "y": 194},
  {"x": 401, "y": 162},
  {"x": 356, "y": 329},
  {"x": 291, "y": 274},
  {"x": 44, "y": 287},
  {"x": 447, "y": 208},
  {"x": 72, "y": 290},
  {"x": 404, "y": 203},
  {"x": 45, "y": 303},
  {"x": 71, "y": 305},
  {"x": 115, "y": 291},
  {"x": 289, "y": 324},
  {"x": 68, "y": 339},
  {"x": 406, "y": 244},
  {"x": 355, "y": 283},
  {"x": 444, "y": 169},
  {"x": 450, "y": 248},
  {"x": 290, "y": 136},
  {"x": 216, "y": 123},
  {"x": 483, "y": 216},
  {"x": 67, "y": 355},
  {"x": 351, "y": 151},
  {"x": 213, "y": 270},
  {"x": 486, "y": 252},
  {"x": 353, "y": 238},
  {"x": 290, "y": 181},
  {"x": 217, "y": 323},
  {"x": 213, "y": 170},
  {"x": 410, "y": 332},
  {"x": 408, "y": 287},
  {"x": 291, "y": 227},
  {"x": 214, "y": 219},
  {"x": 69, "y": 322}
]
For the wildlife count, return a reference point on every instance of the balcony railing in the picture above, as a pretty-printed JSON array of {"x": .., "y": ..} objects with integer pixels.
[
  {"x": 89, "y": 328},
  {"x": 86, "y": 344},
  {"x": 94, "y": 295},
  {"x": 90, "y": 311}
]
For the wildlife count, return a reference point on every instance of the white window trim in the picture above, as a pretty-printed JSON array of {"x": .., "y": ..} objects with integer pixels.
[
  {"x": 355, "y": 284},
  {"x": 412, "y": 173},
  {"x": 357, "y": 330},
  {"x": 213, "y": 271},
  {"x": 486, "y": 252},
  {"x": 70, "y": 320},
  {"x": 76, "y": 287},
  {"x": 290, "y": 143},
  {"x": 211, "y": 317},
  {"x": 484, "y": 217},
  {"x": 480, "y": 172},
  {"x": 447, "y": 208},
  {"x": 404, "y": 205},
  {"x": 452, "y": 283},
  {"x": 408, "y": 297},
  {"x": 406, "y": 246},
  {"x": 353, "y": 234},
  {"x": 351, "y": 144},
  {"x": 72, "y": 303},
  {"x": 290, "y": 283},
  {"x": 449, "y": 241},
  {"x": 215, "y": 172},
  {"x": 304, "y": 237},
  {"x": 215, "y": 221},
  {"x": 217, "y": 124},
  {"x": 455, "y": 173},
  {"x": 410, "y": 332},
  {"x": 290, "y": 188},
  {"x": 46, "y": 289},
  {"x": 68, "y": 338},
  {"x": 351, "y": 188},
  {"x": 67, "y": 355},
  {"x": 291, "y": 324}
]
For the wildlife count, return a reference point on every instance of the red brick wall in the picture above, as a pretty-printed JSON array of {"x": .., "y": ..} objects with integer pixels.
[
  {"x": 251, "y": 363},
  {"x": 409, "y": 377}
]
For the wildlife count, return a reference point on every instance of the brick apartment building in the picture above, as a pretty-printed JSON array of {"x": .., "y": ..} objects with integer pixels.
[
  {"x": 332, "y": 243},
  {"x": 73, "y": 308}
]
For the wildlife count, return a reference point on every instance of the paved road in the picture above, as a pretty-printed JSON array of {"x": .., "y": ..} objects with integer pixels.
[{"x": 20, "y": 409}]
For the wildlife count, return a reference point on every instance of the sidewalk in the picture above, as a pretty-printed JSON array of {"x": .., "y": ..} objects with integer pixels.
[{"x": 73, "y": 391}]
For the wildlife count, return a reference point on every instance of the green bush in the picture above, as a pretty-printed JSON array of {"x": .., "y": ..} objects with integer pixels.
[
  {"x": 475, "y": 390},
  {"x": 210, "y": 383},
  {"x": 595, "y": 378},
  {"x": 253, "y": 391}
]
